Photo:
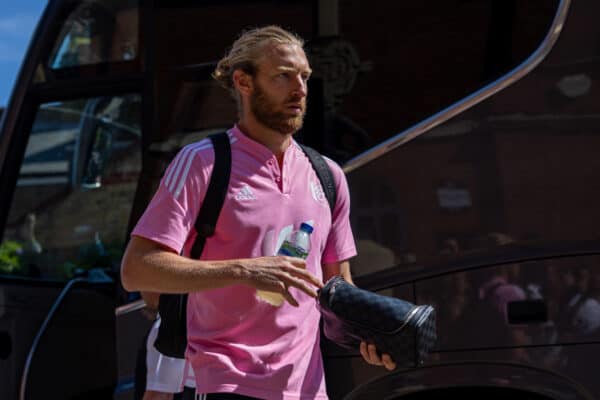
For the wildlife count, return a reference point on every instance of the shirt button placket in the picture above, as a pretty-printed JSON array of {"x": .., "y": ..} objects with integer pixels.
[{"x": 276, "y": 173}]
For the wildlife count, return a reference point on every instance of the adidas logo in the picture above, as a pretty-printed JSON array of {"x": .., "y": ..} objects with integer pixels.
[{"x": 245, "y": 193}]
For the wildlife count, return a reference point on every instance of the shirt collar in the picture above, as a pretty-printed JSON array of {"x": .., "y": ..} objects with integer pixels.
[{"x": 258, "y": 149}]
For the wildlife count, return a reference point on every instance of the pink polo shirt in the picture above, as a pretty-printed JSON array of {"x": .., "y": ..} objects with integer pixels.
[{"x": 237, "y": 343}]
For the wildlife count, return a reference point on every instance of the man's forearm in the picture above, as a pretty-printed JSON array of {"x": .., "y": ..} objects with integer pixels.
[
  {"x": 338, "y": 268},
  {"x": 147, "y": 267}
]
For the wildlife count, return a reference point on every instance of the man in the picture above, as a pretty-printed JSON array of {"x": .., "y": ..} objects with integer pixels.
[{"x": 239, "y": 345}]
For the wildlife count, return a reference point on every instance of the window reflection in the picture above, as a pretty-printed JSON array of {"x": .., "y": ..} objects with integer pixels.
[
  {"x": 97, "y": 31},
  {"x": 71, "y": 206},
  {"x": 368, "y": 84},
  {"x": 514, "y": 183},
  {"x": 537, "y": 303}
]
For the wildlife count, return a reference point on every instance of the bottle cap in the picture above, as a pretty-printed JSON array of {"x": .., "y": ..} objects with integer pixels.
[{"x": 306, "y": 227}]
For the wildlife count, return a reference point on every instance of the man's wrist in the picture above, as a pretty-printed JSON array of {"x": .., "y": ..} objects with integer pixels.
[{"x": 230, "y": 272}]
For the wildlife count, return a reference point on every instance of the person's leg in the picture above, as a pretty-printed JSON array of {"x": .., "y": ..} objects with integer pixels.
[{"x": 164, "y": 375}]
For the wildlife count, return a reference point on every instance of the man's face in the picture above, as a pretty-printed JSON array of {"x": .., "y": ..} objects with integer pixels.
[{"x": 278, "y": 98}]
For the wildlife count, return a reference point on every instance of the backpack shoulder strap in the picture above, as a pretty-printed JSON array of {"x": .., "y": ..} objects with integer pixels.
[
  {"x": 215, "y": 193},
  {"x": 323, "y": 173}
]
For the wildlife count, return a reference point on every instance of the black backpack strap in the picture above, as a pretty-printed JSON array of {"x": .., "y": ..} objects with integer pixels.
[
  {"x": 171, "y": 339},
  {"x": 323, "y": 173},
  {"x": 215, "y": 193}
]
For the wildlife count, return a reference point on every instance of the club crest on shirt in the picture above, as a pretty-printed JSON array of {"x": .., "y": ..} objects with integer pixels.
[{"x": 317, "y": 191}]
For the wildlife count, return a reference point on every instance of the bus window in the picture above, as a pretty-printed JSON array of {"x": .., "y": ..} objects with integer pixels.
[
  {"x": 388, "y": 67},
  {"x": 191, "y": 108},
  {"x": 94, "y": 32},
  {"x": 71, "y": 205},
  {"x": 376, "y": 70}
]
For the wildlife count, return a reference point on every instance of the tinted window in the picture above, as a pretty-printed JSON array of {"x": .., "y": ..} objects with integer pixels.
[
  {"x": 377, "y": 70},
  {"x": 192, "y": 107},
  {"x": 71, "y": 206},
  {"x": 517, "y": 173},
  {"x": 532, "y": 308},
  {"x": 393, "y": 65},
  {"x": 91, "y": 38},
  {"x": 97, "y": 32}
]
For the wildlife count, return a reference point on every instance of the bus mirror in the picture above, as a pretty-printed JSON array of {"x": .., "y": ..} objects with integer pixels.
[{"x": 97, "y": 158}]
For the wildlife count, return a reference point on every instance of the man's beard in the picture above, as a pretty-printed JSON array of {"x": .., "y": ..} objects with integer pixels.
[{"x": 264, "y": 110}]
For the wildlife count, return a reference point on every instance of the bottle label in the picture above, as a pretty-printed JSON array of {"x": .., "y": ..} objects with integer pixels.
[{"x": 288, "y": 249}]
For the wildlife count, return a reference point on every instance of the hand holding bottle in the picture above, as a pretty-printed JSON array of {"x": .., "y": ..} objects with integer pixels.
[{"x": 297, "y": 244}]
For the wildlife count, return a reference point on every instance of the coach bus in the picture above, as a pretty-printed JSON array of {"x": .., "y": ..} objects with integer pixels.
[{"x": 469, "y": 131}]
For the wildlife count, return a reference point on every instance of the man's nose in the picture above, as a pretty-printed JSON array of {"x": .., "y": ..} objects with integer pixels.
[{"x": 300, "y": 86}]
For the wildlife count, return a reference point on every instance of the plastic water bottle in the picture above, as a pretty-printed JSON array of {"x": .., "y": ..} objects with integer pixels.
[{"x": 297, "y": 244}]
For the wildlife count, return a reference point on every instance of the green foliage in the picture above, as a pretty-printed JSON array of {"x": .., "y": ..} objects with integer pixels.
[
  {"x": 14, "y": 260},
  {"x": 10, "y": 260}
]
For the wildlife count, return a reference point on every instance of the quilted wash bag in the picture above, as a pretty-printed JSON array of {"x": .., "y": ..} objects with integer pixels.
[{"x": 405, "y": 331}]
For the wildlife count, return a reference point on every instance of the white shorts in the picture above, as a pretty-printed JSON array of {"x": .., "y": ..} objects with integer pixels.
[{"x": 165, "y": 374}]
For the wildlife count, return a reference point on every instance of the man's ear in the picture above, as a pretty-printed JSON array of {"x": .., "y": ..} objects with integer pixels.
[{"x": 242, "y": 82}]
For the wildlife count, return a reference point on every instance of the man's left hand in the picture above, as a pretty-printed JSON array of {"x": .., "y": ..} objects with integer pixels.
[{"x": 369, "y": 353}]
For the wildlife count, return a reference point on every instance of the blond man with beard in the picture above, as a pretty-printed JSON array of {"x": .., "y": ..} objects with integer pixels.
[{"x": 239, "y": 346}]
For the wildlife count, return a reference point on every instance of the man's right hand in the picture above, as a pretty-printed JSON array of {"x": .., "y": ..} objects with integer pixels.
[
  {"x": 151, "y": 299},
  {"x": 277, "y": 274}
]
